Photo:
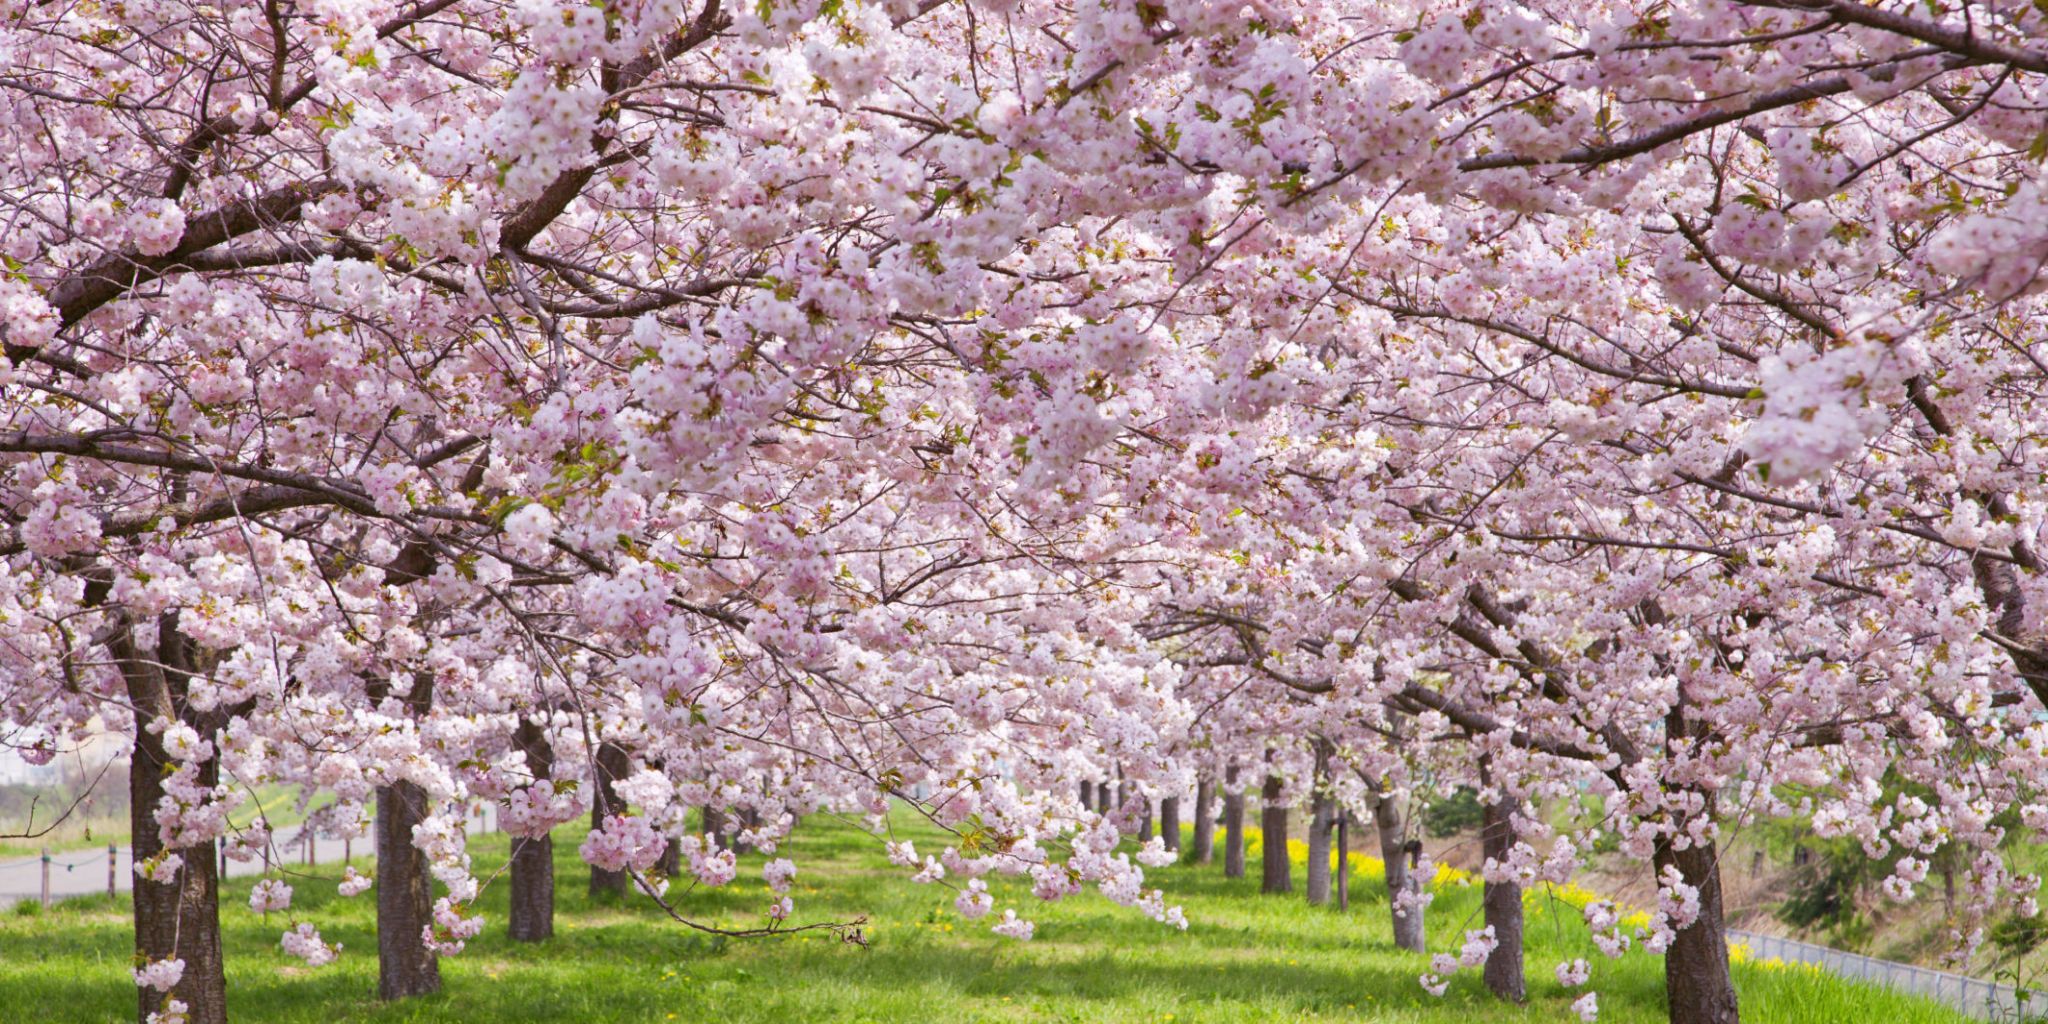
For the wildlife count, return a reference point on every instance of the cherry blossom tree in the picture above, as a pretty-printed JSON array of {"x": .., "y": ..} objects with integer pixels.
[{"x": 795, "y": 406}]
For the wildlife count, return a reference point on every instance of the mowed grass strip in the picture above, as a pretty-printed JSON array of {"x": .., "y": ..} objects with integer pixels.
[{"x": 1245, "y": 957}]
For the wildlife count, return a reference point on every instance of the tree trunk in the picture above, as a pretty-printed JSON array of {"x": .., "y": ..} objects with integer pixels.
[
  {"x": 714, "y": 823},
  {"x": 1233, "y": 830},
  {"x": 749, "y": 818},
  {"x": 1696, "y": 965},
  {"x": 1145, "y": 823},
  {"x": 1503, "y": 904},
  {"x": 1408, "y": 924},
  {"x": 1697, "y": 986},
  {"x": 1278, "y": 876},
  {"x": 1169, "y": 822},
  {"x": 1087, "y": 796},
  {"x": 1204, "y": 847},
  {"x": 533, "y": 858},
  {"x": 612, "y": 765},
  {"x": 1696, "y": 979},
  {"x": 405, "y": 898},
  {"x": 180, "y": 919},
  {"x": 1319, "y": 824},
  {"x": 1105, "y": 799},
  {"x": 1344, "y": 859}
]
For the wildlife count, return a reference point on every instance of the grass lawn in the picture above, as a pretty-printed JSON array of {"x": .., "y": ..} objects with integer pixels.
[{"x": 1245, "y": 957}]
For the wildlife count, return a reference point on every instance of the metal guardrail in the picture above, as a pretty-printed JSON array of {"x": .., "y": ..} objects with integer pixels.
[{"x": 1984, "y": 1000}]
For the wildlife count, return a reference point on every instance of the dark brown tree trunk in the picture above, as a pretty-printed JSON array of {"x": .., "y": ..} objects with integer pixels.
[
  {"x": 612, "y": 765},
  {"x": 714, "y": 823},
  {"x": 405, "y": 895},
  {"x": 1344, "y": 859},
  {"x": 180, "y": 919},
  {"x": 1233, "y": 829},
  {"x": 1697, "y": 985},
  {"x": 1696, "y": 979},
  {"x": 1321, "y": 819},
  {"x": 1087, "y": 796},
  {"x": 1203, "y": 849},
  {"x": 1408, "y": 924},
  {"x": 1278, "y": 874},
  {"x": 671, "y": 863},
  {"x": 533, "y": 858},
  {"x": 1105, "y": 798},
  {"x": 749, "y": 818},
  {"x": 1503, "y": 904},
  {"x": 1169, "y": 822},
  {"x": 1145, "y": 822}
]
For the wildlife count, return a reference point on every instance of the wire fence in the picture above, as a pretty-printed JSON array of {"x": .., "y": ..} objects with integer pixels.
[
  {"x": 1975, "y": 997},
  {"x": 63, "y": 862}
]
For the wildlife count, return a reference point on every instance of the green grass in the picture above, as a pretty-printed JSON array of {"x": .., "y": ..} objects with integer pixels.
[{"x": 1245, "y": 958}]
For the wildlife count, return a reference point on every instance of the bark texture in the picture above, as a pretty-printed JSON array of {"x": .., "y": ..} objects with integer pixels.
[
  {"x": 1344, "y": 859},
  {"x": 1277, "y": 875},
  {"x": 1502, "y": 902},
  {"x": 533, "y": 858},
  {"x": 612, "y": 764},
  {"x": 1203, "y": 849},
  {"x": 405, "y": 895},
  {"x": 1697, "y": 985},
  {"x": 179, "y": 919},
  {"x": 1696, "y": 979},
  {"x": 1322, "y": 815},
  {"x": 1408, "y": 924},
  {"x": 1233, "y": 831}
]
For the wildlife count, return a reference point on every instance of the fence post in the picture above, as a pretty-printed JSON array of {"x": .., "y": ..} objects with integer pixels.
[
  {"x": 112, "y": 856},
  {"x": 46, "y": 876}
]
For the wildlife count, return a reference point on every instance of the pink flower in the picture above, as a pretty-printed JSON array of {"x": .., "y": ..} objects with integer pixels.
[
  {"x": 161, "y": 975},
  {"x": 1012, "y": 926},
  {"x": 270, "y": 894}
]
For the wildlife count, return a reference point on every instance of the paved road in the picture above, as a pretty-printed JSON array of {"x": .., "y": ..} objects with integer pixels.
[{"x": 84, "y": 872}]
